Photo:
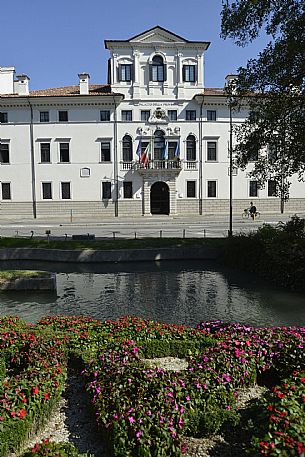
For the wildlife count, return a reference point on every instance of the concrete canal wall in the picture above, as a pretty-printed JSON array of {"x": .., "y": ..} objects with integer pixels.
[{"x": 123, "y": 255}]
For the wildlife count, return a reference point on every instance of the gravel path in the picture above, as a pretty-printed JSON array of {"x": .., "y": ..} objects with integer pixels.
[{"x": 72, "y": 421}]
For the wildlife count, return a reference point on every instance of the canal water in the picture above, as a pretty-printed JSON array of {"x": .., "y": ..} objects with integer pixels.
[{"x": 184, "y": 292}]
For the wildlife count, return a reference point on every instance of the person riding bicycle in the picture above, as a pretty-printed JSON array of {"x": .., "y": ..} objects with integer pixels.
[{"x": 252, "y": 210}]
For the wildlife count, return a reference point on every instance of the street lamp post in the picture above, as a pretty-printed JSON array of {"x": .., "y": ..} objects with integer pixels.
[
  {"x": 230, "y": 231},
  {"x": 230, "y": 89}
]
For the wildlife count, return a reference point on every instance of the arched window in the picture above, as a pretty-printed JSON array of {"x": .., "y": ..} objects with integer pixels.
[
  {"x": 157, "y": 69},
  {"x": 127, "y": 149},
  {"x": 191, "y": 148},
  {"x": 159, "y": 145}
]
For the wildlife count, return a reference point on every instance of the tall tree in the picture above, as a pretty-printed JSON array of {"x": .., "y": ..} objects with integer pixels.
[{"x": 274, "y": 87}]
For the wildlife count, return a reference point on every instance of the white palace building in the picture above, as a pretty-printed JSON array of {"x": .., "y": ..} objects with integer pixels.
[{"x": 153, "y": 140}]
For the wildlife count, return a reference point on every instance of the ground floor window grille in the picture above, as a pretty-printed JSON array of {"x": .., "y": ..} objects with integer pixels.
[
  {"x": 66, "y": 190},
  {"x": 6, "y": 190},
  {"x": 106, "y": 190},
  {"x": 47, "y": 190},
  {"x": 191, "y": 189},
  {"x": 212, "y": 189},
  {"x": 253, "y": 189},
  {"x": 127, "y": 189}
]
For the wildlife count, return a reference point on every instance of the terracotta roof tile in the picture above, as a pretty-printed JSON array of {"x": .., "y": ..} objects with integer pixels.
[
  {"x": 212, "y": 91},
  {"x": 68, "y": 91}
]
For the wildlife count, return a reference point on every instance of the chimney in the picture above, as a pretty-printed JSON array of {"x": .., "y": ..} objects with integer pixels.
[
  {"x": 84, "y": 83},
  {"x": 7, "y": 80},
  {"x": 230, "y": 83},
  {"x": 230, "y": 78},
  {"x": 23, "y": 84}
]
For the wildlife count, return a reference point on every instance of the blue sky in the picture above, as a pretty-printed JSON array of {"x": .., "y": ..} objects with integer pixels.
[{"x": 53, "y": 41}]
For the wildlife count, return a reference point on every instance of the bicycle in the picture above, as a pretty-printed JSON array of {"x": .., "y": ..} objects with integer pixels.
[{"x": 246, "y": 214}]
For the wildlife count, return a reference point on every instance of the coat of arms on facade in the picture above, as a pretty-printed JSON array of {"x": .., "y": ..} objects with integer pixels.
[{"x": 158, "y": 117}]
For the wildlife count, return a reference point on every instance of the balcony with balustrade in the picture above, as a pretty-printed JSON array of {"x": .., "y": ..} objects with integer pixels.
[{"x": 153, "y": 167}]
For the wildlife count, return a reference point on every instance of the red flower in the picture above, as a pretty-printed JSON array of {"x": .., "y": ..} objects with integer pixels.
[
  {"x": 21, "y": 413},
  {"x": 46, "y": 396},
  {"x": 35, "y": 390},
  {"x": 35, "y": 448}
]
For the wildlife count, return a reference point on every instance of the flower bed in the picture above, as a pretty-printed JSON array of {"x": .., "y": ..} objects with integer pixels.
[
  {"x": 145, "y": 410},
  {"x": 33, "y": 369}
]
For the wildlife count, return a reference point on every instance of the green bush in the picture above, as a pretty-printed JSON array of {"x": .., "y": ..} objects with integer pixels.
[
  {"x": 211, "y": 420},
  {"x": 175, "y": 348},
  {"x": 276, "y": 253}
]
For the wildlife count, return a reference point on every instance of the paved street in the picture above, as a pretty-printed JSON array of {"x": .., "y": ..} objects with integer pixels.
[{"x": 154, "y": 226}]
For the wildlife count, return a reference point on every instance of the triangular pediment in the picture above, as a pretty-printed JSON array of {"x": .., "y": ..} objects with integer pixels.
[{"x": 157, "y": 35}]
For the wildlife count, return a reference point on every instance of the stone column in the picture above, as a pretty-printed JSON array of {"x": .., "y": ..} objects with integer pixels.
[
  {"x": 180, "y": 85},
  {"x": 136, "y": 74},
  {"x": 114, "y": 68},
  {"x": 200, "y": 81}
]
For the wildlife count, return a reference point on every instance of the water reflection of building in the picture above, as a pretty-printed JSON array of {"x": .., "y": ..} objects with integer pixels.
[{"x": 172, "y": 296}]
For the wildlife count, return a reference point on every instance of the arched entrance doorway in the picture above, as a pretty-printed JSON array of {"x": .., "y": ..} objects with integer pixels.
[{"x": 159, "y": 198}]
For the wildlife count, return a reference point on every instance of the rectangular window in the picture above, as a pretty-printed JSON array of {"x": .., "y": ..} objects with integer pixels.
[
  {"x": 106, "y": 190},
  {"x": 125, "y": 72},
  {"x": 191, "y": 189},
  {"x": 44, "y": 116},
  {"x": 145, "y": 115},
  {"x": 253, "y": 189},
  {"x": 271, "y": 188},
  {"x": 189, "y": 73},
  {"x": 172, "y": 114},
  {"x": 45, "y": 152},
  {"x": 172, "y": 147},
  {"x": 64, "y": 153},
  {"x": 211, "y": 115},
  {"x": 6, "y": 190},
  {"x": 212, "y": 154},
  {"x": 105, "y": 151},
  {"x": 127, "y": 189},
  {"x": 105, "y": 115},
  {"x": 47, "y": 190},
  {"x": 66, "y": 191},
  {"x": 63, "y": 116},
  {"x": 127, "y": 115},
  {"x": 3, "y": 118},
  {"x": 4, "y": 153},
  {"x": 190, "y": 115},
  {"x": 157, "y": 72},
  {"x": 211, "y": 189}
]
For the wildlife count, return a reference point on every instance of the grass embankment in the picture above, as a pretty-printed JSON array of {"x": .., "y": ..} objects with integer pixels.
[
  {"x": 9, "y": 275},
  {"x": 146, "y": 411},
  {"x": 139, "y": 243}
]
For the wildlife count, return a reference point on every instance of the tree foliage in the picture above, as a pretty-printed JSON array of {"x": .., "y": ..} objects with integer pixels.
[{"x": 274, "y": 86}]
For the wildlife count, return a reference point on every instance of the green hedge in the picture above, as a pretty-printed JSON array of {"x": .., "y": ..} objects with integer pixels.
[{"x": 276, "y": 253}]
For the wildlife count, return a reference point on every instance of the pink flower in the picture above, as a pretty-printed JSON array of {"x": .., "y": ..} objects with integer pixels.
[
  {"x": 139, "y": 434},
  {"x": 131, "y": 419}
]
